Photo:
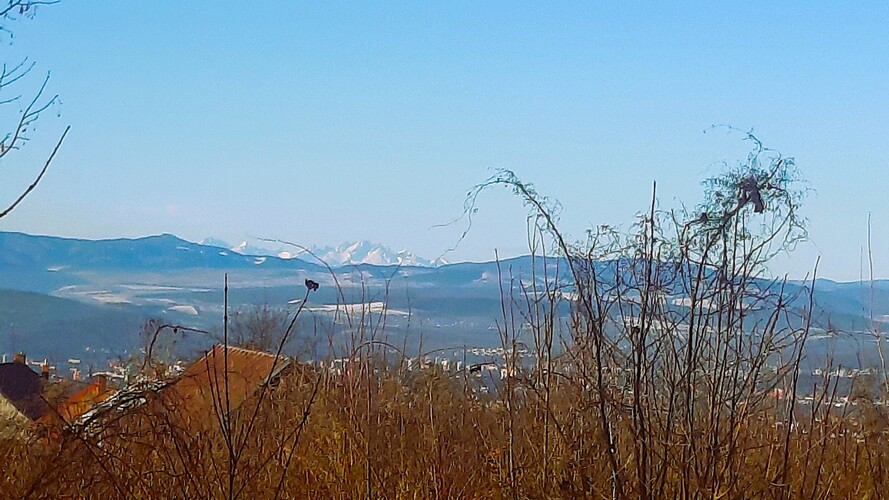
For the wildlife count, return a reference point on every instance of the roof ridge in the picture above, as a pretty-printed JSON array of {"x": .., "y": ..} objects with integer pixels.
[{"x": 248, "y": 351}]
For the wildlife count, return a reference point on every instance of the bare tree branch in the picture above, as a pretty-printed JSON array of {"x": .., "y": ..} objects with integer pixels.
[{"x": 39, "y": 176}]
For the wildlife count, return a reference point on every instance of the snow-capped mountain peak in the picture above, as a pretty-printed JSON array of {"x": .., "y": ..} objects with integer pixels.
[
  {"x": 366, "y": 252},
  {"x": 349, "y": 253}
]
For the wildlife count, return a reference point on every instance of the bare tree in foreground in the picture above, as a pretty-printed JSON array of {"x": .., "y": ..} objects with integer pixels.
[
  {"x": 666, "y": 364},
  {"x": 31, "y": 105}
]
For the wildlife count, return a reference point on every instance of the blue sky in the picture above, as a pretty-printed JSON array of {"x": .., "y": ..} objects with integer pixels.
[{"x": 365, "y": 120}]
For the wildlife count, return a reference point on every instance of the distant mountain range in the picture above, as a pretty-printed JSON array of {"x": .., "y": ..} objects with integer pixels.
[
  {"x": 66, "y": 297},
  {"x": 349, "y": 253}
]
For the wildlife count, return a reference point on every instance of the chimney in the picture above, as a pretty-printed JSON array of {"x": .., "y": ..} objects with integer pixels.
[
  {"x": 44, "y": 371},
  {"x": 19, "y": 357}
]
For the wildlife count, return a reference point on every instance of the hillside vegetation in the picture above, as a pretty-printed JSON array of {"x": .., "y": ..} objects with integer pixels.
[{"x": 629, "y": 397}]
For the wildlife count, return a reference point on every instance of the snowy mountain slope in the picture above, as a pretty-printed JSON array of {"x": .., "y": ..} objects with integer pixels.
[{"x": 349, "y": 253}]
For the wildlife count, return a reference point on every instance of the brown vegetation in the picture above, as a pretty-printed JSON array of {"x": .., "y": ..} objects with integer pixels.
[
  {"x": 390, "y": 433},
  {"x": 626, "y": 397}
]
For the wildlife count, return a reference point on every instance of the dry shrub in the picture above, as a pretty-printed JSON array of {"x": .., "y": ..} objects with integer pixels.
[
  {"x": 625, "y": 395},
  {"x": 388, "y": 433}
]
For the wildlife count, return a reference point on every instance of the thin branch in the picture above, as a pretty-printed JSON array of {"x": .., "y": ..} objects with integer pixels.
[{"x": 33, "y": 185}]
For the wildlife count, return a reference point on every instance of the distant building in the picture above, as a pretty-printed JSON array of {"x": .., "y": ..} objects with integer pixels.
[
  {"x": 28, "y": 397},
  {"x": 85, "y": 399}
]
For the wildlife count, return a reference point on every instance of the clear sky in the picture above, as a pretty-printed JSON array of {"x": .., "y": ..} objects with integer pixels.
[{"x": 370, "y": 120}]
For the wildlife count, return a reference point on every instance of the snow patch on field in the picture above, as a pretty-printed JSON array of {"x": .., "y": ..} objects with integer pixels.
[
  {"x": 355, "y": 309},
  {"x": 106, "y": 297},
  {"x": 153, "y": 288},
  {"x": 184, "y": 309}
]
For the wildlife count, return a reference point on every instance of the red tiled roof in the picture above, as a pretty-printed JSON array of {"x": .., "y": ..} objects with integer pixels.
[
  {"x": 202, "y": 387},
  {"x": 85, "y": 399}
]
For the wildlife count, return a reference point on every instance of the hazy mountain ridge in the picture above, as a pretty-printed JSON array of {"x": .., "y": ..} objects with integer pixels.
[
  {"x": 165, "y": 251},
  {"x": 122, "y": 281}
]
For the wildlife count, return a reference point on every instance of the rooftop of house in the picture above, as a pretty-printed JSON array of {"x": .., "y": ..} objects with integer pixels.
[
  {"x": 198, "y": 392},
  {"x": 23, "y": 387},
  {"x": 205, "y": 380},
  {"x": 84, "y": 399}
]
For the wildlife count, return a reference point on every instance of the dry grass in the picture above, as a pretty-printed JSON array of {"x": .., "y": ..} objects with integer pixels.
[
  {"x": 394, "y": 434},
  {"x": 626, "y": 396}
]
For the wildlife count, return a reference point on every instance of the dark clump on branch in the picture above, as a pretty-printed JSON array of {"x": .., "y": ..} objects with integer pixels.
[{"x": 750, "y": 194}]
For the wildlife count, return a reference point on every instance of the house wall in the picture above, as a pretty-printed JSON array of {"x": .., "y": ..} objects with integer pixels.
[{"x": 12, "y": 422}]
